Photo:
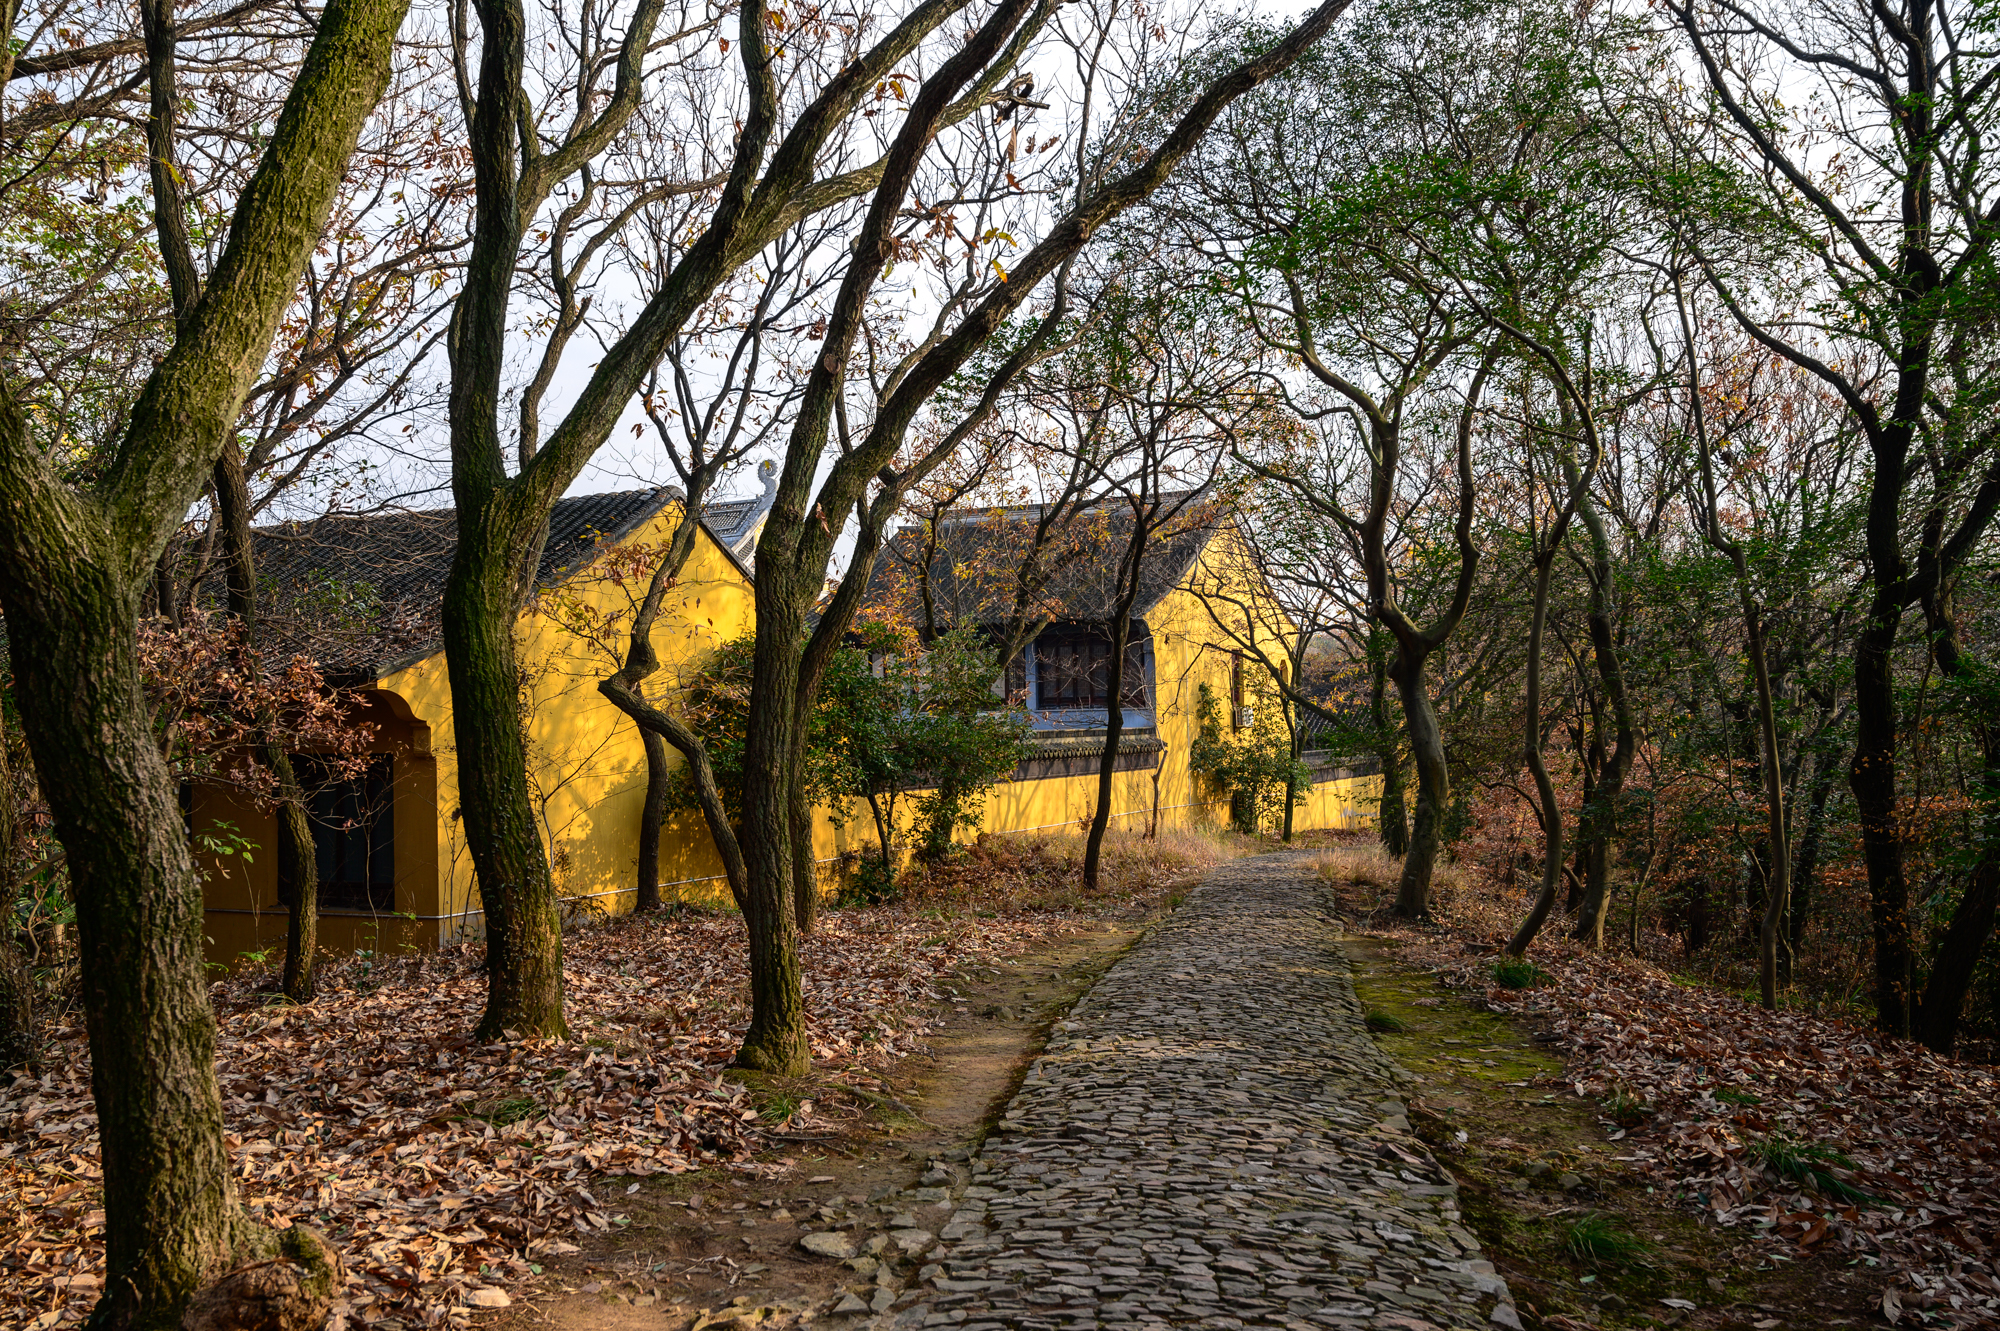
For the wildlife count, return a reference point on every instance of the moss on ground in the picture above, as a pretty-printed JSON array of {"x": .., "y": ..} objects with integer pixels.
[{"x": 1533, "y": 1160}]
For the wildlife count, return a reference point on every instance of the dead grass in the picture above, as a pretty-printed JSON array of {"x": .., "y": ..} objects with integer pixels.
[
  {"x": 1372, "y": 874},
  {"x": 1009, "y": 875}
]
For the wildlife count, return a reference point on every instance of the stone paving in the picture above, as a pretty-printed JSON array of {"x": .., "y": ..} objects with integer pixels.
[{"x": 1211, "y": 1139}]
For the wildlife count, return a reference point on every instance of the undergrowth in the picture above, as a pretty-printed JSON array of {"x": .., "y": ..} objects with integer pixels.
[
  {"x": 1810, "y": 1165},
  {"x": 1044, "y": 873},
  {"x": 1601, "y": 1238}
]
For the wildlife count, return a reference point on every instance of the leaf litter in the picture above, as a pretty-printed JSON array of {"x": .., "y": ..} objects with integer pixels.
[
  {"x": 448, "y": 1172},
  {"x": 1807, "y": 1132}
]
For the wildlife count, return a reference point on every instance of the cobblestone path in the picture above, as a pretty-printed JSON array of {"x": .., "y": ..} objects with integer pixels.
[{"x": 1211, "y": 1139}]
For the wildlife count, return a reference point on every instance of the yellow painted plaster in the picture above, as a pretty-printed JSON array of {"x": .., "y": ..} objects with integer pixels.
[{"x": 588, "y": 770}]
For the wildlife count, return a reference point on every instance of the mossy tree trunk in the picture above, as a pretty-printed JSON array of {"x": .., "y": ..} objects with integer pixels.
[
  {"x": 172, "y": 1218},
  {"x": 1392, "y": 819},
  {"x": 1420, "y": 723},
  {"x": 517, "y": 892},
  {"x": 73, "y": 564},
  {"x": 805, "y": 869}
]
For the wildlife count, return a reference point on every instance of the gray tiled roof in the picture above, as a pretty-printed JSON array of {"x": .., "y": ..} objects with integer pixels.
[
  {"x": 363, "y": 594},
  {"x": 972, "y": 570}
]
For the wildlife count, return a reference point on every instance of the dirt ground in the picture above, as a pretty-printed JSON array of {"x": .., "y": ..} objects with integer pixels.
[{"x": 720, "y": 1247}]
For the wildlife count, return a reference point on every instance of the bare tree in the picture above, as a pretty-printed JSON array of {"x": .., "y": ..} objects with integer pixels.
[{"x": 772, "y": 180}]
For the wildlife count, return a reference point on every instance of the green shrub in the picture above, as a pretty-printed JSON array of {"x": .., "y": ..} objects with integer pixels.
[
  {"x": 896, "y": 718},
  {"x": 1386, "y": 1023},
  {"x": 1516, "y": 973},
  {"x": 1808, "y": 1164},
  {"x": 871, "y": 884},
  {"x": 1254, "y": 767},
  {"x": 1601, "y": 1238}
]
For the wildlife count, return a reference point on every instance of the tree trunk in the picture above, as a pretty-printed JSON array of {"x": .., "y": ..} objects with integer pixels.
[
  {"x": 1578, "y": 870},
  {"x": 650, "y": 818},
  {"x": 1392, "y": 814},
  {"x": 1600, "y": 822},
  {"x": 776, "y": 1040},
  {"x": 1971, "y": 927},
  {"x": 1545, "y": 790},
  {"x": 524, "y": 992},
  {"x": 1778, "y": 855},
  {"x": 1413, "y": 891},
  {"x": 1114, "y": 730},
  {"x": 1291, "y": 778},
  {"x": 1806, "y": 863},
  {"x": 1965, "y": 938},
  {"x": 173, "y": 1222},
  {"x": 20, "y": 1040},
  {"x": 232, "y": 515},
  {"x": 1393, "y": 811},
  {"x": 302, "y": 910},
  {"x": 1871, "y": 775},
  {"x": 885, "y": 831},
  {"x": 805, "y": 871},
  {"x": 70, "y": 575}
]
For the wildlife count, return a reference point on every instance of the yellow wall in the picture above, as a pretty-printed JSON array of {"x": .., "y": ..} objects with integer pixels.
[
  {"x": 1189, "y": 649},
  {"x": 588, "y": 769},
  {"x": 244, "y": 914},
  {"x": 586, "y": 764}
]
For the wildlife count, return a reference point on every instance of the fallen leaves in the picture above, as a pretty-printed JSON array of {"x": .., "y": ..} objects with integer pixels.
[
  {"x": 447, "y": 1172},
  {"x": 1805, "y": 1131}
]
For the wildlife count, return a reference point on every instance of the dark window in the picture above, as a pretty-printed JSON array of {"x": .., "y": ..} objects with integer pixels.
[
  {"x": 1074, "y": 670},
  {"x": 354, "y": 838},
  {"x": 1014, "y": 682}
]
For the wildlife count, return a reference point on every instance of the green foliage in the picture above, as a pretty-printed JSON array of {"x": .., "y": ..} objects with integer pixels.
[
  {"x": 505, "y": 1110},
  {"x": 1601, "y": 1238},
  {"x": 1729, "y": 1095},
  {"x": 716, "y": 703},
  {"x": 923, "y": 720},
  {"x": 1516, "y": 973},
  {"x": 894, "y": 717},
  {"x": 1385, "y": 1023},
  {"x": 1626, "y": 1109},
  {"x": 1809, "y": 1164},
  {"x": 872, "y": 883},
  {"x": 222, "y": 838},
  {"x": 1255, "y": 767}
]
